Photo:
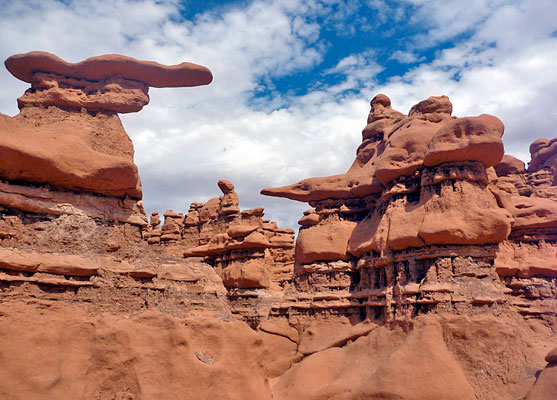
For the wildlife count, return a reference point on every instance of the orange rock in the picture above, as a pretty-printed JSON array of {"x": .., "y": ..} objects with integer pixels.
[
  {"x": 434, "y": 108},
  {"x": 530, "y": 213},
  {"x": 229, "y": 201},
  {"x": 467, "y": 139},
  {"x": 544, "y": 154},
  {"x": 59, "y": 153},
  {"x": 155, "y": 219},
  {"x": 326, "y": 241},
  {"x": 509, "y": 165},
  {"x": 53, "y": 142},
  {"x": 24, "y": 66},
  {"x": 250, "y": 274},
  {"x": 404, "y": 149},
  {"x": 113, "y": 94},
  {"x": 240, "y": 230},
  {"x": 370, "y": 234},
  {"x": 209, "y": 210},
  {"x": 551, "y": 357},
  {"x": 545, "y": 387},
  {"x": 310, "y": 218},
  {"x": 466, "y": 214},
  {"x": 376, "y": 365}
]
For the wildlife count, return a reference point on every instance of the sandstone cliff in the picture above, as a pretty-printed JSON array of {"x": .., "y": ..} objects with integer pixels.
[{"x": 427, "y": 271}]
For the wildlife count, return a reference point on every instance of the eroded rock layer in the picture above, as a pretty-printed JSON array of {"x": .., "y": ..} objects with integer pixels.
[
  {"x": 441, "y": 219},
  {"x": 427, "y": 271},
  {"x": 68, "y": 134}
]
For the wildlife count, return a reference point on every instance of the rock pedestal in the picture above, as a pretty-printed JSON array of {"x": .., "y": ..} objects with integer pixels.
[{"x": 422, "y": 221}]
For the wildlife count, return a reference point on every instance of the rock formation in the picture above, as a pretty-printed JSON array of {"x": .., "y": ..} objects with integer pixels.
[
  {"x": 245, "y": 250},
  {"x": 430, "y": 223},
  {"x": 68, "y": 144},
  {"x": 427, "y": 271}
]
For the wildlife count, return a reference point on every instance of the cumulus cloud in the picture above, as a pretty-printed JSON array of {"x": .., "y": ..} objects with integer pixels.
[{"x": 497, "y": 57}]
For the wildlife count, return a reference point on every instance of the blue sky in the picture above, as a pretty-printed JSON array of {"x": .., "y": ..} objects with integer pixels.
[{"x": 293, "y": 79}]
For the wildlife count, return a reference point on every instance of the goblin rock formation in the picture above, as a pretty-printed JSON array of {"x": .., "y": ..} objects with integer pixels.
[
  {"x": 244, "y": 249},
  {"x": 427, "y": 271},
  {"x": 68, "y": 134},
  {"x": 429, "y": 224}
]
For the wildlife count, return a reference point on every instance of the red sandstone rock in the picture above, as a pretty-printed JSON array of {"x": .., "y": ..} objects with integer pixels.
[
  {"x": 209, "y": 210},
  {"x": 57, "y": 152},
  {"x": 24, "y": 66},
  {"x": 310, "y": 218},
  {"x": 543, "y": 153},
  {"x": 380, "y": 365},
  {"x": 551, "y": 357},
  {"x": 150, "y": 354},
  {"x": 251, "y": 274},
  {"x": 155, "y": 219},
  {"x": 229, "y": 201},
  {"x": 509, "y": 165},
  {"x": 434, "y": 108},
  {"x": 478, "y": 219},
  {"x": 433, "y": 289},
  {"x": 241, "y": 230},
  {"x": 467, "y": 139},
  {"x": 327, "y": 241},
  {"x": 545, "y": 386},
  {"x": 113, "y": 94},
  {"x": 53, "y": 142}
]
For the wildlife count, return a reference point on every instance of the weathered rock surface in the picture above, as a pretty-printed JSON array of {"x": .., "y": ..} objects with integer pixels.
[
  {"x": 68, "y": 134},
  {"x": 246, "y": 251},
  {"x": 24, "y": 67},
  {"x": 546, "y": 382},
  {"x": 452, "y": 225},
  {"x": 427, "y": 271}
]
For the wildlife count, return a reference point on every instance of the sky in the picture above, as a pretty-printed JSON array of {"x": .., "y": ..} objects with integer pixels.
[{"x": 293, "y": 79}]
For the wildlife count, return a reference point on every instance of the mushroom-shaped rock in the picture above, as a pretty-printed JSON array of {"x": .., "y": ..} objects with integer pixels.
[
  {"x": 225, "y": 186},
  {"x": 229, "y": 201},
  {"x": 24, "y": 66},
  {"x": 155, "y": 219},
  {"x": 360, "y": 180},
  {"x": 54, "y": 141}
]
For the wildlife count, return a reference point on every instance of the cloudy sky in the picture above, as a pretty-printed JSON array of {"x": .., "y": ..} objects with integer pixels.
[{"x": 293, "y": 79}]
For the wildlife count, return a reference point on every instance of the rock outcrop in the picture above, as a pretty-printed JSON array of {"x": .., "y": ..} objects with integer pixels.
[
  {"x": 68, "y": 137},
  {"x": 250, "y": 254},
  {"x": 429, "y": 224},
  {"x": 426, "y": 271}
]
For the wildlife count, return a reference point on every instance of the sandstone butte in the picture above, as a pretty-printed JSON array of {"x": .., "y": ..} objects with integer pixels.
[{"x": 426, "y": 271}]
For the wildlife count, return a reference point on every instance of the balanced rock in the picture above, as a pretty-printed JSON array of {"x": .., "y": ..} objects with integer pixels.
[{"x": 68, "y": 134}]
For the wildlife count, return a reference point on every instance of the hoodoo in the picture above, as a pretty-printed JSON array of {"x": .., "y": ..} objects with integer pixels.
[{"x": 427, "y": 271}]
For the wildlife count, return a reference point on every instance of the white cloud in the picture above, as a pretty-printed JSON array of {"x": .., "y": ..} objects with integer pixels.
[
  {"x": 188, "y": 138},
  {"x": 405, "y": 57}
]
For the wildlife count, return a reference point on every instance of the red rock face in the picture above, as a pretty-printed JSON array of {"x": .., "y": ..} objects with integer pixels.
[
  {"x": 433, "y": 211},
  {"x": 246, "y": 251},
  {"x": 24, "y": 67},
  {"x": 421, "y": 273},
  {"x": 68, "y": 134}
]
